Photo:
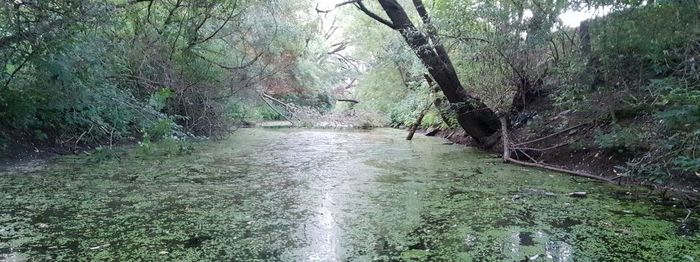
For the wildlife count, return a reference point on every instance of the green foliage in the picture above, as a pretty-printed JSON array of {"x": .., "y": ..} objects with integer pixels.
[
  {"x": 159, "y": 99},
  {"x": 238, "y": 111},
  {"x": 574, "y": 86},
  {"x": 432, "y": 119},
  {"x": 88, "y": 72},
  {"x": 163, "y": 128},
  {"x": 68, "y": 95},
  {"x": 265, "y": 113},
  {"x": 407, "y": 110},
  {"x": 623, "y": 140},
  {"x": 643, "y": 38},
  {"x": 687, "y": 163},
  {"x": 682, "y": 104},
  {"x": 642, "y": 71}
]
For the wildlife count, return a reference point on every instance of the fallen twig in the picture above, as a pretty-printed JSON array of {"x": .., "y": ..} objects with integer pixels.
[
  {"x": 550, "y": 135},
  {"x": 83, "y": 134},
  {"x": 542, "y": 149},
  {"x": 526, "y": 154}
]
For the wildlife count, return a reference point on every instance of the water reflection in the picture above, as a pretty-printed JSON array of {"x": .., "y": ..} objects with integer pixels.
[{"x": 324, "y": 243}]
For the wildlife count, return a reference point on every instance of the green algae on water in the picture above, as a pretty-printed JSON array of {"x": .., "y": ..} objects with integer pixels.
[{"x": 311, "y": 195}]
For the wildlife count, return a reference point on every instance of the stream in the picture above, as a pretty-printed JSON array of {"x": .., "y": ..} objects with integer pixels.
[{"x": 326, "y": 195}]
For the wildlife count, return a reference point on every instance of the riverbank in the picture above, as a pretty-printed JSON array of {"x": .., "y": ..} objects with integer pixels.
[
  {"x": 571, "y": 148},
  {"x": 587, "y": 159}
]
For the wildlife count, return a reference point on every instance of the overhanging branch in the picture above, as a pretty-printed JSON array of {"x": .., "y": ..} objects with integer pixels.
[
  {"x": 363, "y": 8},
  {"x": 374, "y": 16}
]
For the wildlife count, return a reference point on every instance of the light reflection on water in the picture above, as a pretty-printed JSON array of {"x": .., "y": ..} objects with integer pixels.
[{"x": 325, "y": 241}]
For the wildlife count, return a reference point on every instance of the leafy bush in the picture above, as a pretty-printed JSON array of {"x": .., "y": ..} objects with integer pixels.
[
  {"x": 78, "y": 73},
  {"x": 682, "y": 105},
  {"x": 638, "y": 40},
  {"x": 68, "y": 98},
  {"x": 571, "y": 83},
  {"x": 687, "y": 164},
  {"x": 267, "y": 114},
  {"x": 163, "y": 128},
  {"x": 623, "y": 140}
]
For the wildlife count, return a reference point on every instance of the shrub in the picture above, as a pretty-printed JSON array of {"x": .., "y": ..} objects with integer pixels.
[{"x": 623, "y": 140}]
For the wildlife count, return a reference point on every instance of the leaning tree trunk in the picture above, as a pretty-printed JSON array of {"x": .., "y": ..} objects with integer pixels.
[{"x": 477, "y": 120}]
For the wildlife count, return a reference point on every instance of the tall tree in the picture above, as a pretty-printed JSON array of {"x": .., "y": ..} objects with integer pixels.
[{"x": 477, "y": 120}]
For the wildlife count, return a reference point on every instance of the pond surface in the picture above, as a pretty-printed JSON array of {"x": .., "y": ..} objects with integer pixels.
[{"x": 317, "y": 195}]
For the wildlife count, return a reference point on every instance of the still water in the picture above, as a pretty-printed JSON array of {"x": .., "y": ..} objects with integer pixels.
[{"x": 324, "y": 195}]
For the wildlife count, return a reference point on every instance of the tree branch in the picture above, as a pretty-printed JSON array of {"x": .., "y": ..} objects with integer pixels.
[
  {"x": 336, "y": 6},
  {"x": 374, "y": 16},
  {"x": 245, "y": 65},
  {"x": 508, "y": 159}
]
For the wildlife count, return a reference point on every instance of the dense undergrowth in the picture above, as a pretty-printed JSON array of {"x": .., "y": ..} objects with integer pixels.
[
  {"x": 640, "y": 81},
  {"x": 85, "y": 73}
]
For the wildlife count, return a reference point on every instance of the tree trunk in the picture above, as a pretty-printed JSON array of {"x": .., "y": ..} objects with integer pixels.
[
  {"x": 473, "y": 116},
  {"x": 585, "y": 37}
]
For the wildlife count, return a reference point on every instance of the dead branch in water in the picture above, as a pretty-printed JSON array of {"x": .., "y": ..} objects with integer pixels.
[
  {"x": 415, "y": 126},
  {"x": 263, "y": 96},
  {"x": 550, "y": 135},
  {"x": 542, "y": 149},
  {"x": 285, "y": 105},
  {"x": 508, "y": 159}
]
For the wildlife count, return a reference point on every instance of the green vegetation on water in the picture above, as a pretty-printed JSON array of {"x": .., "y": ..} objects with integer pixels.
[{"x": 312, "y": 195}]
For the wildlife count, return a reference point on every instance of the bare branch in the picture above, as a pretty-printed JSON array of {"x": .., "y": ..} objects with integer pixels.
[
  {"x": 336, "y": 6},
  {"x": 374, "y": 16},
  {"x": 247, "y": 64},
  {"x": 363, "y": 8}
]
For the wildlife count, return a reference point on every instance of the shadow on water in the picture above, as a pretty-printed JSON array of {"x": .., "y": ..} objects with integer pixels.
[{"x": 322, "y": 195}]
